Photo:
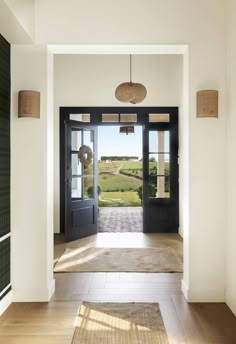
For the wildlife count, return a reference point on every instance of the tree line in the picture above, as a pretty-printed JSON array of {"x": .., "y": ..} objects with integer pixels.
[{"x": 118, "y": 158}]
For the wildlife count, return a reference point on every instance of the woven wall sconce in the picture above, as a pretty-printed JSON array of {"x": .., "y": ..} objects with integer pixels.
[
  {"x": 207, "y": 103},
  {"x": 29, "y": 104}
]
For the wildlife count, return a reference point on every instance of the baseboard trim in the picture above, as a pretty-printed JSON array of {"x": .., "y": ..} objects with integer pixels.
[
  {"x": 181, "y": 233},
  {"x": 231, "y": 301},
  {"x": 184, "y": 289},
  {"x": 51, "y": 289},
  {"x": 34, "y": 295},
  {"x": 202, "y": 295},
  {"x": 5, "y": 291},
  {"x": 6, "y": 302}
]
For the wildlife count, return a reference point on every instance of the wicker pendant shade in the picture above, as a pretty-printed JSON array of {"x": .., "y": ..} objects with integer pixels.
[{"x": 131, "y": 92}]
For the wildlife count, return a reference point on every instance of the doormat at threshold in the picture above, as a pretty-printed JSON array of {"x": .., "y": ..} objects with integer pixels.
[
  {"x": 96, "y": 259},
  {"x": 116, "y": 323}
]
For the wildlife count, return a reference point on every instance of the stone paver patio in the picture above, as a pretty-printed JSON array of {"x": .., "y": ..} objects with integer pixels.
[{"x": 120, "y": 219}]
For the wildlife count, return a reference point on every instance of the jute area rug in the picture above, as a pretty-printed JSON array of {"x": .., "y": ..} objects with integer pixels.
[
  {"x": 96, "y": 259},
  {"x": 120, "y": 323}
]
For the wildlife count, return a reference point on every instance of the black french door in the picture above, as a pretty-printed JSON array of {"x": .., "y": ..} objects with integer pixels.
[
  {"x": 161, "y": 177},
  {"x": 81, "y": 198},
  {"x": 160, "y": 199}
]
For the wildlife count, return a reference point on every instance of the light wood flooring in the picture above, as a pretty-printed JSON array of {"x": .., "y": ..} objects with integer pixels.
[{"x": 54, "y": 322}]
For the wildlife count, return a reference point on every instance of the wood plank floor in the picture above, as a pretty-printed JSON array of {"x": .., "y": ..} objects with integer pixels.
[{"x": 54, "y": 322}]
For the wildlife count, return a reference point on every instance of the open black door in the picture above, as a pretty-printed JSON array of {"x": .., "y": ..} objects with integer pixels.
[
  {"x": 81, "y": 196},
  {"x": 161, "y": 176}
]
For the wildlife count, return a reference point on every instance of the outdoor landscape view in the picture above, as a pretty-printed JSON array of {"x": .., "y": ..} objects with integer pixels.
[
  {"x": 120, "y": 181},
  {"x": 120, "y": 168}
]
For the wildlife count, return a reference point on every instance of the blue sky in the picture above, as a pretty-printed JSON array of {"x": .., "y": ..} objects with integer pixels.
[{"x": 111, "y": 142}]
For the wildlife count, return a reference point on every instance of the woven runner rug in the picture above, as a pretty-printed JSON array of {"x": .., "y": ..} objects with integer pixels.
[
  {"x": 120, "y": 323},
  {"x": 96, "y": 259}
]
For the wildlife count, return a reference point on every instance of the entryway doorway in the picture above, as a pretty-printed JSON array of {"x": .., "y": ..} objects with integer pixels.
[
  {"x": 120, "y": 179},
  {"x": 79, "y": 166}
]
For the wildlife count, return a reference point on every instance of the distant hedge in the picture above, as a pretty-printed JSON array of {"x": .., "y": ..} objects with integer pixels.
[
  {"x": 130, "y": 174},
  {"x": 118, "y": 158}
]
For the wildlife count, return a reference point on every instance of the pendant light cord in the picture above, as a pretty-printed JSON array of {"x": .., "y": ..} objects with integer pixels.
[{"x": 130, "y": 67}]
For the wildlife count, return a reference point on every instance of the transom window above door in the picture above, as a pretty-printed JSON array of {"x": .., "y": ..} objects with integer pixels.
[
  {"x": 120, "y": 118},
  {"x": 159, "y": 118},
  {"x": 80, "y": 117}
]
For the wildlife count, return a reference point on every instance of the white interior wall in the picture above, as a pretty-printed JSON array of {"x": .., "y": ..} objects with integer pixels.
[
  {"x": 10, "y": 27},
  {"x": 231, "y": 166},
  {"x": 179, "y": 22},
  {"x": 24, "y": 12},
  {"x": 91, "y": 80},
  {"x": 31, "y": 179},
  {"x": 11, "y": 30}
]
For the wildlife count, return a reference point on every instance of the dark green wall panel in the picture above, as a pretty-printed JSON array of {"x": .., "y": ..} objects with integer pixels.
[
  {"x": 5, "y": 263},
  {"x": 5, "y": 85},
  {"x": 4, "y": 136}
]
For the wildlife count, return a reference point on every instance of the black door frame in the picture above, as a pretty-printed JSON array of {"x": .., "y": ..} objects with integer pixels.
[{"x": 96, "y": 119}]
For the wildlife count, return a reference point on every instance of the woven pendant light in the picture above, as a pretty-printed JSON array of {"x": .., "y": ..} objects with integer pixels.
[{"x": 131, "y": 92}]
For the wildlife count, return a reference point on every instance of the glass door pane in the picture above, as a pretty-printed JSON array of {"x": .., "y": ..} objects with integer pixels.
[
  {"x": 159, "y": 164},
  {"x": 82, "y": 166},
  {"x": 76, "y": 187},
  {"x": 76, "y": 168},
  {"x": 88, "y": 180}
]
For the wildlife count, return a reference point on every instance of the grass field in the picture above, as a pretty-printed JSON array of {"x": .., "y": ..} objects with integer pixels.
[
  {"x": 111, "y": 167},
  {"x": 119, "y": 199},
  {"x": 119, "y": 188},
  {"x": 118, "y": 183},
  {"x": 131, "y": 164}
]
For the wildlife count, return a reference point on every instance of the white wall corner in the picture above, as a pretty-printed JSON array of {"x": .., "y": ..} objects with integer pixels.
[
  {"x": 202, "y": 295},
  {"x": 34, "y": 295},
  {"x": 181, "y": 232},
  {"x": 231, "y": 301},
  {"x": 51, "y": 289},
  {"x": 184, "y": 289},
  {"x": 6, "y": 302},
  {"x": 11, "y": 28},
  {"x": 24, "y": 13}
]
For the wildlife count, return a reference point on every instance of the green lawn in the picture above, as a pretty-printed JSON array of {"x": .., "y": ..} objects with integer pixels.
[
  {"x": 110, "y": 167},
  {"x": 131, "y": 164},
  {"x": 120, "y": 187},
  {"x": 113, "y": 166},
  {"x": 118, "y": 183},
  {"x": 119, "y": 199},
  {"x": 136, "y": 173}
]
